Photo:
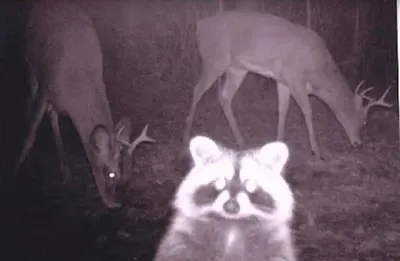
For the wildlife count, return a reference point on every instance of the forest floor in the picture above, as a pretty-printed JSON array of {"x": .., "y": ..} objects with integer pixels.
[{"x": 347, "y": 206}]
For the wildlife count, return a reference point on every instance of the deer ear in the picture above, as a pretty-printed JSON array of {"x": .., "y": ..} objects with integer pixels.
[
  {"x": 124, "y": 128},
  {"x": 203, "y": 150},
  {"x": 100, "y": 139},
  {"x": 274, "y": 156}
]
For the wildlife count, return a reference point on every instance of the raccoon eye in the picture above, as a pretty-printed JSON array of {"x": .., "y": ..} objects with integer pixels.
[
  {"x": 220, "y": 184},
  {"x": 250, "y": 186}
]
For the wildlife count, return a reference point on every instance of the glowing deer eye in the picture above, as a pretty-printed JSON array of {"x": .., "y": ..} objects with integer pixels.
[
  {"x": 111, "y": 175},
  {"x": 220, "y": 184},
  {"x": 250, "y": 186}
]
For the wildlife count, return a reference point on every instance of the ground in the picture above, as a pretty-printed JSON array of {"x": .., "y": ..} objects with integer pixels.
[{"x": 346, "y": 206}]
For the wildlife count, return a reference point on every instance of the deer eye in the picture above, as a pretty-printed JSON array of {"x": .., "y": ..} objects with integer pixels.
[
  {"x": 110, "y": 174},
  {"x": 114, "y": 175}
]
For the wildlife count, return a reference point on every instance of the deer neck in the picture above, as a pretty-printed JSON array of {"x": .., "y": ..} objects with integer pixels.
[
  {"x": 96, "y": 113},
  {"x": 336, "y": 93}
]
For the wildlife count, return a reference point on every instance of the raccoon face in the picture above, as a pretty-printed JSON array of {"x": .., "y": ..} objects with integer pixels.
[{"x": 235, "y": 185}]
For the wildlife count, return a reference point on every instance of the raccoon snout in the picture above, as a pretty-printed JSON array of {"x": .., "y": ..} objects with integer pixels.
[{"x": 231, "y": 206}]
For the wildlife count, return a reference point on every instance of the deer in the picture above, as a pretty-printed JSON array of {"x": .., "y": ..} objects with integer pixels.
[
  {"x": 65, "y": 63},
  {"x": 233, "y": 43}
]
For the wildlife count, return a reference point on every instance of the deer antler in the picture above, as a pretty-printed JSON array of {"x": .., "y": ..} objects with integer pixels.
[
  {"x": 142, "y": 138},
  {"x": 375, "y": 102},
  {"x": 359, "y": 86}
]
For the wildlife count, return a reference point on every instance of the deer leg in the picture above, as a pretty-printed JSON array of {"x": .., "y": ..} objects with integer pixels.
[
  {"x": 300, "y": 94},
  {"x": 53, "y": 116},
  {"x": 207, "y": 78},
  {"x": 233, "y": 78},
  {"x": 30, "y": 140},
  {"x": 283, "y": 100},
  {"x": 34, "y": 86}
]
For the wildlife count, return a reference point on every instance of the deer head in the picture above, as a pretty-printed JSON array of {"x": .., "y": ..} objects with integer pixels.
[{"x": 114, "y": 159}]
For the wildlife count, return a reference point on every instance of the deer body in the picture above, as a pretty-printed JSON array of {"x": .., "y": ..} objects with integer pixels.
[
  {"x": 235, "y": 43},
  {"x": 66, "y": 68}
]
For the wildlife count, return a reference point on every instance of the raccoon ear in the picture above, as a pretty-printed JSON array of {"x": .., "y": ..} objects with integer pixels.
[
  {"x": 203, "y": 149},
  {"x": 274, "y": 155}
]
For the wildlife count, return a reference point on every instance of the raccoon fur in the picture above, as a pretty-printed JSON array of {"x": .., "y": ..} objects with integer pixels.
[{"x": 231, "y": 206}]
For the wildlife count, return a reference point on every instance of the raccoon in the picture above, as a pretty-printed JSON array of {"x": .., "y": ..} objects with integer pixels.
[{"x": 231, "y": 206}]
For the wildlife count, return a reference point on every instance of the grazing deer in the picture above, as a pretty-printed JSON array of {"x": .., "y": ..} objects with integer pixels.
[
  {"x": 235, "y": 43},
  {"x": 66, "y": 72}
]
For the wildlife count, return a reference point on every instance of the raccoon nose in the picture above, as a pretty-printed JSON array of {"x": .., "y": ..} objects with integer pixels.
[{"x": 231, "y": 206}]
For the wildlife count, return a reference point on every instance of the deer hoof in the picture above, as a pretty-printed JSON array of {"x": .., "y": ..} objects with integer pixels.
[{"x": 317, "y": 156}]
